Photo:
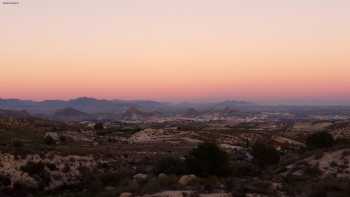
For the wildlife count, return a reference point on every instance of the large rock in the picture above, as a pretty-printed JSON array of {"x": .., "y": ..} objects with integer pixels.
[
  {"x": 216, "y": 195},
  {"x": 109, "y": 188},
  {"x": 187, "y": 179},
  {"x": 51, "y": 137},
  {"x": 140, "y": 177},
  {"x": 162, "y": 176},
  {"x": 125, "y": 194}
]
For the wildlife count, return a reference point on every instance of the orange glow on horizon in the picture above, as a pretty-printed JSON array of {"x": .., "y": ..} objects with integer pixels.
[{"x": 176, "y": 51}]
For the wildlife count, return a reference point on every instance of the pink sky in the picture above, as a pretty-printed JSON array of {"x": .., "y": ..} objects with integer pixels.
[{"x": 264, "y": 51}]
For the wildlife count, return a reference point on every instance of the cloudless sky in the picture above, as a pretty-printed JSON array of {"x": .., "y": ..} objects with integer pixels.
[{"x": 271, "y": 51}]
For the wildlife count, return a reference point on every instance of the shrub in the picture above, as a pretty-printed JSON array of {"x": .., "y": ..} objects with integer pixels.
[
  {"x": 99, "y": 126},
  {"x": 170, "y": 165},
  {"x": 17, "y": 143},
  {"x": 152, "y": 186},
  {"x": 51, "y": 166},
  {"x": 312, "y": 171},
  {"x": 265, "y": 154},
  {"x": 244, "y": 169},
  {"x": 33, "y": 168},
  {"x": 110, "y": 179},
  {"x": 38, "y": 172},
  {"x": 209, "y": 183},
  {"x": 4, "y": 181},
  {"x": 329, "y": 187},
  {"x": 49, "y": 140},
  {"x": 63, "y": 138},
  {"x": 90, "y": 179},
  {"x": 131, "y": 186},
  {"x": 19, "y": 189},
  {"x": 320, "y": 140},
  {"x": 167, "y": 181},
  {"x": 208, "y": 159}
]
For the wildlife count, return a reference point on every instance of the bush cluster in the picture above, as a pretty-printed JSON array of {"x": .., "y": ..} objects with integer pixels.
[
  {"x": 205, "y": 160},
  {"x": 208, "y": 159},
  {"x": 320, "y": 140},
  {"x": 170, "y": 165},
  {"x": 265, "y": 154}
]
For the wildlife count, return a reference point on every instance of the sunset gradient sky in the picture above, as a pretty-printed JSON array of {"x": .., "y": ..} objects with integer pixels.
[{"x": 266, "y": 51}]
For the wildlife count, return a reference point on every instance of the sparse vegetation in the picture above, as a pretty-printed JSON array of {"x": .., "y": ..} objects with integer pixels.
[{"x": 89, "y": 161}]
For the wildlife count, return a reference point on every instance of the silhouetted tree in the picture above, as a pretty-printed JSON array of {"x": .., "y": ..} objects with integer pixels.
[
  {"x": 265, "y": 154},
  {"x": 320, "y": 140},
  {"x": 208, "y": 159}
]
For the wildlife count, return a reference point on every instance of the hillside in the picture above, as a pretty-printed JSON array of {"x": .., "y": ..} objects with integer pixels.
[{"x": 71, "y": 114}]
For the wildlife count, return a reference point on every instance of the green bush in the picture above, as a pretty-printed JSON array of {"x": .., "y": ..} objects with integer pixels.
[
  {"x": 320, "y": 140},
  {"x": 208, "y": 159},
  {"x": 265, "y": 154}
]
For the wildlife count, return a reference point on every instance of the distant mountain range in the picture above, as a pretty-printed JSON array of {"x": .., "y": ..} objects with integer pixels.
[
  {"x": 14, "y": 114},
  {"x": 84, "y": 104},
  {"x": 91, "y": 105},
  {"x": 85, "y": 108}
]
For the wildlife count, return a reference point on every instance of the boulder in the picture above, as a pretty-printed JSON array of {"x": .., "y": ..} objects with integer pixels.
[
  {"x": 216, "y": 195},
  {"x": 125, "y": 194},
  {"x": 109, "y": 188},
  {"x": 140, "y": 177},
  {"x": 51, "y": 137},
  {"x": 162, "y": 176},
  {"x": 187, "y": 179},
  {"x": 171, "y": 194}
]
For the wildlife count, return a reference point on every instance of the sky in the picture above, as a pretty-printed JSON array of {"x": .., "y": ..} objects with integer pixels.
[{"x": 271, "y": 51}]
